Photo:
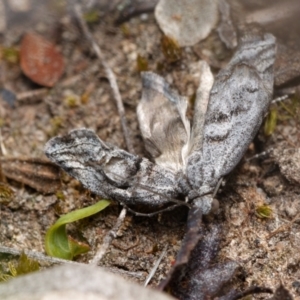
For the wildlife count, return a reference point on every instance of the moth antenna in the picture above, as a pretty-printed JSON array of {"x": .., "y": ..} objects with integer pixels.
[
  {"x": 259, "y": 155},
  {"x": 279, "y": 99},
  {"x": 264, "y": 153}
]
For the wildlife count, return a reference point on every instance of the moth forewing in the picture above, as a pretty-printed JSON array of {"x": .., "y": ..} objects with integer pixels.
[
  {"x": 111, "y": 172},
  {"x": 162, "y": 119},
  {"x": 239, "y": 100}
]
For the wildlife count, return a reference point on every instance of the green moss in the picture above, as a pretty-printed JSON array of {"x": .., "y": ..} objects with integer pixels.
[
  {"x": 6, "y": 193},
  {"x": 160, "y": 67},
  {"x": 141, "y": 64},
  {"x": 264, "y": 211},
  {"x": 71, "y": 101},
  {"x": 170, "y": 49},
  {"x": 10, "y": 55},
  {"x": 60, "y": 196},
  {"x": 26, "y": 265},
  {"x": 23, "y": 266},
  {"x": 289, "y": 109},
  {"x": 271, "y": 122},
  {"x": 125, "y": 30},
  {"x": 57, "y": 123},
  {"x": 192, "y": 99},
  {"x": 91, "y": 16}
]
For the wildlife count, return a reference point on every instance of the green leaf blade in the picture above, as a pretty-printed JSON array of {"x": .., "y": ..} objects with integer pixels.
[{"x": 57, "y": 242}]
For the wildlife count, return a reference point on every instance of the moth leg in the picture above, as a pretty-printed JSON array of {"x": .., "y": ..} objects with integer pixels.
[
  {"x": 136, "y": 213},
  {"x": 279, "y": 99},
  {"x": 259, "y": 155},
  {"x": 217, "y": 187}
]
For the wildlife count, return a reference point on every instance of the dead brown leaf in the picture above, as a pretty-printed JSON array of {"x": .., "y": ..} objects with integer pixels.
[
  {"x": 39, "y": 174},
  {"x": 40, "y": 60}
]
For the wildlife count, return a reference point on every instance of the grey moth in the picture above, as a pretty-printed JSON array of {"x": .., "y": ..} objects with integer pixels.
[{"x": 187, "y": 161}]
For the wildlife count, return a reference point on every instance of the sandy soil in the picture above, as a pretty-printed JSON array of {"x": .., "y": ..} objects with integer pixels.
[{"x": 266, "y": 248}]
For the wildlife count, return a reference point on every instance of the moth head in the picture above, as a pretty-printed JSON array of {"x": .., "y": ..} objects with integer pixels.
[{"x": 207, "y": 204}]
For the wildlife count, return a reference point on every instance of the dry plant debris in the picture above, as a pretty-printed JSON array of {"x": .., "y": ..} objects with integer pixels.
[
  {"x": 40, "y": 60},
  {"x": 289, "y": 163},
  {"x": 37, "y": 173}
]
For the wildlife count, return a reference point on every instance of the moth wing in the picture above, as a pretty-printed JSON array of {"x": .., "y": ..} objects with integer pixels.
[
  {"x": 202, "y": 98},
  {"x": 163, "y": 123},
  {"x": 239, "y": 99},
  {"x": 110, "y": 172}
]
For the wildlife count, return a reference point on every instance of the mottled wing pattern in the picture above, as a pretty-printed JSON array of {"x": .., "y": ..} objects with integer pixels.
[
  {"x": 163, "y": 123},
  {"x": 110, "y": 172},
  {"x": 239, "y": 100}
]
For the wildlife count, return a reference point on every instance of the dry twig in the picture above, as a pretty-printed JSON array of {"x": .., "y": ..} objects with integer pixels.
[
  {"x": 152, "y": 272},
  {"x": 32, "y": 95},
  {"x": 2, "y": 147},
  {"x": 108, "y": 238},
  {"x": 110, "y": 76},
  {"x": 114, "y": 86}
]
